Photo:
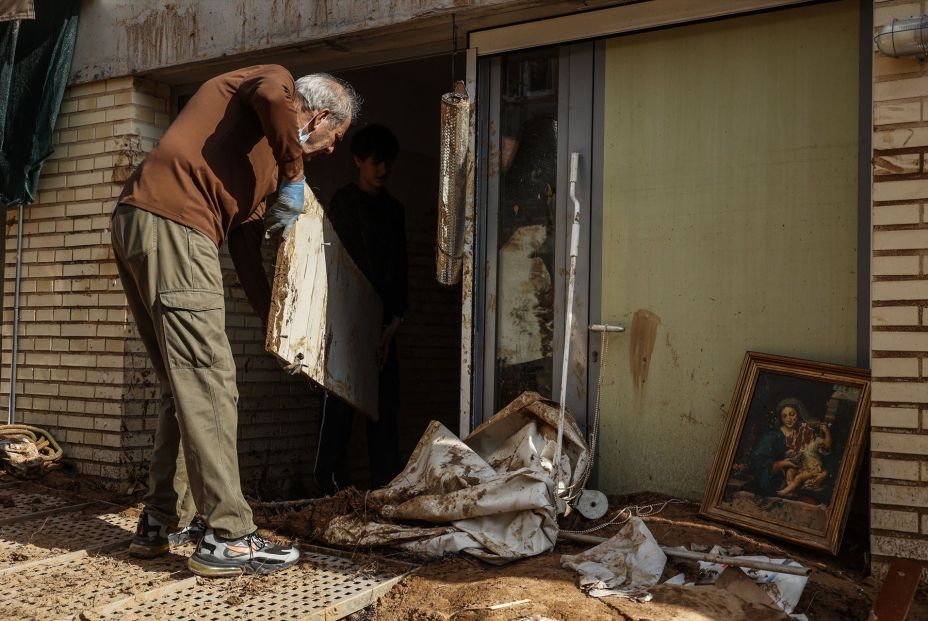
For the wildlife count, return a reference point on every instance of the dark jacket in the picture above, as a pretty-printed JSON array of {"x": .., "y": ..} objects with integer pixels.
[{"x": 373, "y": 230}]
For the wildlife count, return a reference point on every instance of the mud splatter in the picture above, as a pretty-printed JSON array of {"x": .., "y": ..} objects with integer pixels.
[
  {"x": 130, "y": 155},
  {"x": 674, "y": 358},
  {"x": 642, "y": 338},
  {"x": 161, "y": 36}
]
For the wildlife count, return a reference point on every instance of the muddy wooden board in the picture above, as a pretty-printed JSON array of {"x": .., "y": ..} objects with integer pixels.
[{"x": 325, "y": 315}]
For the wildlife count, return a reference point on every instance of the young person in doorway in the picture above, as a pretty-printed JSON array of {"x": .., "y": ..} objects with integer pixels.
[{"x": 371, "y": 225}]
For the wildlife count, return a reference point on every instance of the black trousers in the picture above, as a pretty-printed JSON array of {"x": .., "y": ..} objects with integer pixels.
[{"x": 383, "y": 455}]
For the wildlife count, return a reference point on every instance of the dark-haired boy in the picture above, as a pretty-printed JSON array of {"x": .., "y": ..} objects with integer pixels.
[{"x": 371, "y": 226}]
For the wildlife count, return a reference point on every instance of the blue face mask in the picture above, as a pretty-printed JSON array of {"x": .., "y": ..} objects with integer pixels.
[{"x": 303, "y": 134}]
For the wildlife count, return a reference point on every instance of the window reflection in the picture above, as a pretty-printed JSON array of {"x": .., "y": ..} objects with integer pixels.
[{"x": 525, "y": 268}]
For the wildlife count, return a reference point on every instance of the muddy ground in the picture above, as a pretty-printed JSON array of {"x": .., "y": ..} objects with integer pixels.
[{"x": 463, "y": 589}]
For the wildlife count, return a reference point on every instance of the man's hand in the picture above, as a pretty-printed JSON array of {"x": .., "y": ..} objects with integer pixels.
[
  {"x": 295, "y": 367},
  {"x": 282, "y": 215}
]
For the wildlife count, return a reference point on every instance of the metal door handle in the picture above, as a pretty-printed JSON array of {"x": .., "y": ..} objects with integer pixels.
[{"x": 604, "y": 327}]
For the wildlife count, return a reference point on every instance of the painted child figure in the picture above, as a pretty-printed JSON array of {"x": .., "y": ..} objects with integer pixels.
[{"x": 809, "y": 472}]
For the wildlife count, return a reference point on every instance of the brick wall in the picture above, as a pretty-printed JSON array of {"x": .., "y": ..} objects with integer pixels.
[
  {"x": 899, "y": 317},
  {"x": 83, "y": 373},
  {"x": 80, "y": 371}
]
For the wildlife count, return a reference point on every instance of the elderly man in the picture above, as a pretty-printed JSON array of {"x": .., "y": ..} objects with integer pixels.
[{"x": 243, "y": 135}]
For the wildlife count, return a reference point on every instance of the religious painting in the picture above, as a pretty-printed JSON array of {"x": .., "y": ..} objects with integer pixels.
[{"x": 788, "y": 457}]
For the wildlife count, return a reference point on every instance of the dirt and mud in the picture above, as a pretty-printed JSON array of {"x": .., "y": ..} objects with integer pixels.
[{"x": 464, "y": 589}]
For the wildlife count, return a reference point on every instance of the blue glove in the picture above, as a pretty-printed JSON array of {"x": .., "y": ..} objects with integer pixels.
[{"x": 282, "y": 215}]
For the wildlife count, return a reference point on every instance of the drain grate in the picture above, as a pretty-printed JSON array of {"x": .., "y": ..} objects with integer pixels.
[
  {"x": 325, "y": 585},
  {"x": 47, "y": 536}
]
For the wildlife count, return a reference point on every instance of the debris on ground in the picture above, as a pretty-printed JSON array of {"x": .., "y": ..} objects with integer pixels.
[
  {"x": 833, "y": 592},
  {"x": 465, "y": 589},
  {"x": 782, "y": 589},
  {"x": 490, "y": 496},
  {"x": 624, "y": 565}
]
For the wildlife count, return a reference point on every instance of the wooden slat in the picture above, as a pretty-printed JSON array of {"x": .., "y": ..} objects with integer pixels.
[
  {"x": 325, "y": 315},
  {"x": 895, "y": 597},
  {"x": 358, "y": 602},
  {"x": 51, "y": 560},
  {"x": 147, "y": 596}
]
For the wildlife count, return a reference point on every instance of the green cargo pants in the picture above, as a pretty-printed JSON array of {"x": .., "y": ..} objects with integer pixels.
[{"x": 173, "y": 284}]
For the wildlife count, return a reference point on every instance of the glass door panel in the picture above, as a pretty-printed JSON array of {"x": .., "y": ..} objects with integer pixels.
[
  {"x": 538, "y": 110},
  {"x": 525, "y": 225}
]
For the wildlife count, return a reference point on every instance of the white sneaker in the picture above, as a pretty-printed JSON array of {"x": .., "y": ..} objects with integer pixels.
[{"x": 252, "y": 554}]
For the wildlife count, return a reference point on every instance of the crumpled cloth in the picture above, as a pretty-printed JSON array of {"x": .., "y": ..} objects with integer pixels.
[
  {"x": 491, "y": 496},
  {"x": 624, "y": 565}
]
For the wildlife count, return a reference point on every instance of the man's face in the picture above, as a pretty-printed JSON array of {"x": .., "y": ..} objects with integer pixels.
[
  {"x": 373, "y": 172},
  {"x": 324, "y": 134}
]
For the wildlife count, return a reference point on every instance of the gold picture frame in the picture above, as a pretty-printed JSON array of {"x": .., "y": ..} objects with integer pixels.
[{"x": 788, "y": 458}]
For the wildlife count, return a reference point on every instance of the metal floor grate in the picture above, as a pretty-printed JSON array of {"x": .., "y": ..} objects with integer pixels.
[
  {"x": 49, "y": 570},
  {"x": 19, "y": 503},
  {"x": 47, "y": 536},
  {"x": 61, "y": 587},
  {"x": 323, "y": 586}
]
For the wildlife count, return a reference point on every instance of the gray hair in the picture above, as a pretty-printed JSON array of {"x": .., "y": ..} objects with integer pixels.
[{"x": 321, "y": 90}]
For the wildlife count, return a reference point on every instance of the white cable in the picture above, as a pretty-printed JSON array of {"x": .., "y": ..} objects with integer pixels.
[
  {"x": 577, "y": 488},
  {"x": 629, "y": 512}
]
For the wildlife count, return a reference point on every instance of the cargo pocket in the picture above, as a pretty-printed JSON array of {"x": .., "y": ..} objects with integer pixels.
[{"x": 194, "y": 329}]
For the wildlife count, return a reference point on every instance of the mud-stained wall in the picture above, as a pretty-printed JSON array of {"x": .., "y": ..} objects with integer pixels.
[
  {"x": 119, "y": 37},
  {"x": 729, "y": 224}
]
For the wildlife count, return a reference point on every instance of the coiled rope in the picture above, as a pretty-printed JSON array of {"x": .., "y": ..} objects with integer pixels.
[{"x": 45, "y": 444}]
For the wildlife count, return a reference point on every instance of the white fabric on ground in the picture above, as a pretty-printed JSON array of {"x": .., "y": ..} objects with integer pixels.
[
  {"x": 624, "y": 565},
  {"x": 491, "y": 496}
]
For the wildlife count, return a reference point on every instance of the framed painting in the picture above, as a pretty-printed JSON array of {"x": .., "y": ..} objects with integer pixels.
[{"x": 788, "y": 458}]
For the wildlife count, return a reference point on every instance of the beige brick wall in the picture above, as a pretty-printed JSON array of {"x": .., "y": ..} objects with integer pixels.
[
  {"x": 80, "y": 374},
  {"x": 83, "y": 373},
  {"x": 899, "y": 416}
]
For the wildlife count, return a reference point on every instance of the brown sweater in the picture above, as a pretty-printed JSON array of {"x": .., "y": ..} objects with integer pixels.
[{"x": 221, "y": 157}]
